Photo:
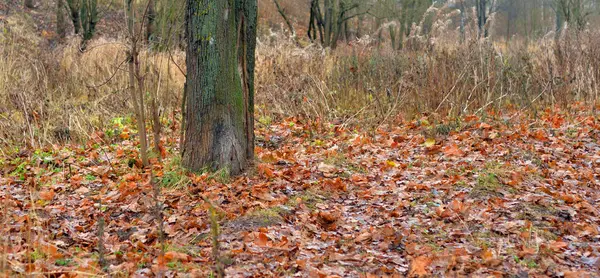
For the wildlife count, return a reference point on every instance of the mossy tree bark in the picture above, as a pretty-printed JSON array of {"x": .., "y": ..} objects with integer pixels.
[{"x": 219, "y": 131}]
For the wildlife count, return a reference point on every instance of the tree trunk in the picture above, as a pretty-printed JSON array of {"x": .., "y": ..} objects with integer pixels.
[
  {"x": 328, "y": 6},
  {"x": 89, "y": 19},
  {"x": 150, "y": 17},
  {"x": 60, "y": 19},
  {"x": 392, "y": 29},
  {"x": 74, "y": 11},
  {"x": 481, "y": 18},
  {"x": 558, "y": 22},
  {"x": 220, "y": 84}
]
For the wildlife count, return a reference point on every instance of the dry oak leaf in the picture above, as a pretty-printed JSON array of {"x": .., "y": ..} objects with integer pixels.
[
  {"x": 262, "y": 240},
  {"x": 172, "y": 256},
  {"x": 418, "y": 267},
  {"x": 363, "y": 237},
  {"x": 328, "y": 217},
  {"x": 558, "y": 245},
  {"x": 453, "y": 150},
  {"x": 577, "y": 274},
  {"x": 47, "y": 195}
]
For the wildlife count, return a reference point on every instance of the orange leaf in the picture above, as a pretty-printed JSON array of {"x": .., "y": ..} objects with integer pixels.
[
  {"x": 577, "y": 274},
  {"x": 172, "y": 255},
  {"x": 487, "y": 255},
  {"x": 265, "y": 170},
  {"x": 418, "y": 267},
  {"x": 47, "y": 195},
  {"x": 457, "y": 206},
  {"x": 453, "y": 150},
  {"x": 261, "y": 240},
  {"x": 558, "y": 245},
  {"x": 540, "y": 135}
]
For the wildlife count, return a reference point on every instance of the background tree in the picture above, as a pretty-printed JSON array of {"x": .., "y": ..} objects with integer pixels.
[
  {"x": 74, "y": 6},
  {"x": 61, "y": 28},
  {"x": 331, "y": 22},
  {"x": 29, "y": 4},
  {"x": 411, "y": 13},
  {"x": 221, "y": 39},
  {"x": 484, "y": 9},
  {"x": 150, "y": 18},
  {"x": 85, "y": 16},
  {"x": 89, "y": 19}
]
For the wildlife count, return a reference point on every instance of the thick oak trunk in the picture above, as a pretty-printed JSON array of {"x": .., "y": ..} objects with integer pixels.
[{"x": 219, "y": 131}]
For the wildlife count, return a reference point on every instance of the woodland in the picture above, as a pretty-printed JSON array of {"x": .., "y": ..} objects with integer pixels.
[{"x": 300, "y": 138}]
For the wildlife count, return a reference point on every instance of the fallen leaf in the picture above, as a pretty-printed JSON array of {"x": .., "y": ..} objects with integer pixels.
[
  {"x": 429, "y": 142},
  {"x": 418, "y": 267},
  {"x": 47, "y": 195}
]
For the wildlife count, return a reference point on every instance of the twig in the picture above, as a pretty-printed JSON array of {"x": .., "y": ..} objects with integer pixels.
[{"x": 158, "y": 215}]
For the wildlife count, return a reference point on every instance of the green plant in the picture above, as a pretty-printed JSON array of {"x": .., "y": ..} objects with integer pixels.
[{"x": 63, "y": 262}]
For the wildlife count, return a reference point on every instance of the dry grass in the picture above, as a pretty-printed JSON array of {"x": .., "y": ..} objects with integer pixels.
[
  {"x": 61, "y": 93},
  {"x": 54, "y": 93}
]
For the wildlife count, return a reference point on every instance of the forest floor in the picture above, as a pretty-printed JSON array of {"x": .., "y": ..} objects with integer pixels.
[{"x": 478, "y": 196}]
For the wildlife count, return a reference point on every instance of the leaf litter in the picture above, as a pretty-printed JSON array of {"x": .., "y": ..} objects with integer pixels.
[{"x": 492, "y": 197}]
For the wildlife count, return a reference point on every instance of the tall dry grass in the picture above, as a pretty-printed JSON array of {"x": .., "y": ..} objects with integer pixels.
[
  {"x": 362, "y": 84},
  {"x": 56, "y": 92},
  {"x": 52, "y": 93}
]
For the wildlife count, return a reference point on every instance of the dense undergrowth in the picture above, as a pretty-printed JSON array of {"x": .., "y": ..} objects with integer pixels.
[{"x": 53, "y": 92}]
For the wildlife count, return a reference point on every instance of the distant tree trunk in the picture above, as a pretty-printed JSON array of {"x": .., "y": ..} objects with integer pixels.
[
  {"x": 60, "y": 19},
  {"x": 150, "y": 18},
  {"x": 346, "y": 31},
  {"x": 219, "y": 130},
  {"x": 379, "y": 32},
  {"x": 462, "y": 20},
  {"x": 558, "y": 22},
  {"x": 89, "y": 19},
  {"x": 508, "y": 30},
  {"x": 74, "y": 6},
  {"x": 29, "y": 4},
  {"x": 316, "y": 22},
  {"x": 359, "y": 23},
  {"x": 328, "y": 6},
  {"x": 392, "y": 29},
  {"x": 481, "y": 18}
]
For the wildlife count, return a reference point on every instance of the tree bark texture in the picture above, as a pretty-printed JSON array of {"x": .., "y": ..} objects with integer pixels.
[{"x": 219, "y": 131}]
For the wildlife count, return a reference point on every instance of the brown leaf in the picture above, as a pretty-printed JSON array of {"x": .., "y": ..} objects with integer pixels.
[
  {"x": 558, "y": 245},
  {"x": 47, "y": 195},
  {"x": 328, "y": 217},
  {"x": 172, "y": 256},
  {"x": 453, "y": 150},
  {"x": 363, "y": 237},
  {"x": 261, "y": 240},
  {"x": 418, "y": 267}
]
